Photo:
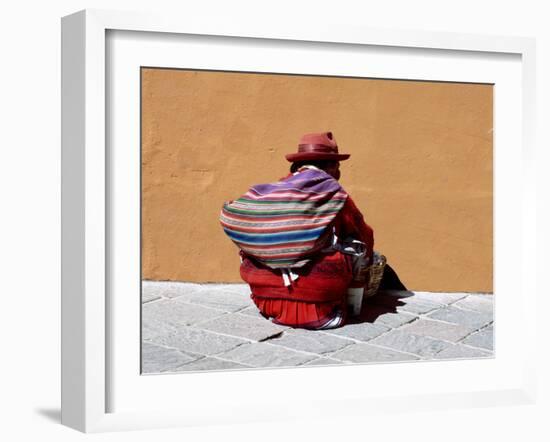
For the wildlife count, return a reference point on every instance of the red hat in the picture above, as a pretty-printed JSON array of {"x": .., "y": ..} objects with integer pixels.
[{"x": 317, "y": 146}]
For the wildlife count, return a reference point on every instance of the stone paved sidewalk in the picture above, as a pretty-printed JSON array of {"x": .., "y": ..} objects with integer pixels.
[{"x": 191, "y": 327}]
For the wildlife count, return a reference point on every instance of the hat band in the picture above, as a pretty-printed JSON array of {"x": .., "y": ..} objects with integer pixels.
[{"x": 303, "y": 148}]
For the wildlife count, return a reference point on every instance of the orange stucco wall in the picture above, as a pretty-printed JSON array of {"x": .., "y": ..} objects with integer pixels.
[{"x": 420, "y": 169}]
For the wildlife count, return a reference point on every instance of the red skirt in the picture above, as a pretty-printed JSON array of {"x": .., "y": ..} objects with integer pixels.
[{"x": 311, "y": 301}]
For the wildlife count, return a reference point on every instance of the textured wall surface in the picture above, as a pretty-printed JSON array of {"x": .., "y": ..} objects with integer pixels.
[{"x": 421, "y": 167}]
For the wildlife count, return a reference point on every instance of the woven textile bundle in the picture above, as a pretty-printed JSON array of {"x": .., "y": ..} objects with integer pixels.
[{"x": 281, "y": 223}]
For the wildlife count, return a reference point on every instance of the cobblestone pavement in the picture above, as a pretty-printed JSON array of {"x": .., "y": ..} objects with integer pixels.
[{"x": 190, "y": 327}]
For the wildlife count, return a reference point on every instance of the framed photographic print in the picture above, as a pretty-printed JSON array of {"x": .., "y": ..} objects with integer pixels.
[{"x": 163, "y": 123}]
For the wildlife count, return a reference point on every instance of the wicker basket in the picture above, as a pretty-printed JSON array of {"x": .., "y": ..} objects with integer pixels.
[{"x": 375, "y": 271}]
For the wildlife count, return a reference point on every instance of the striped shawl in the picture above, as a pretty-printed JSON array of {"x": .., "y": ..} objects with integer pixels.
[{"x": 282, "y": 224}]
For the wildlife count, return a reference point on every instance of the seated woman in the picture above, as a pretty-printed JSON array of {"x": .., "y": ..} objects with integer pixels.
[{"x": 305, "y": 248}]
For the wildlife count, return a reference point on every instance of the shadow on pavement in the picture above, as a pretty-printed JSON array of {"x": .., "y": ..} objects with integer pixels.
[
  {"x": 379, "y": 304},
  {"x": 386, "y": 300}
]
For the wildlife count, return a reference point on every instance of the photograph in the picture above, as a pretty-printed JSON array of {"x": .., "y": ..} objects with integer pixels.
[
  {"x": 288, "y": 199},
  {"x": 297, "y": 220}
]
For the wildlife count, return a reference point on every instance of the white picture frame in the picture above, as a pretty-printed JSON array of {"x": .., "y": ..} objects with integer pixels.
[{"x": 87, "y": 277}]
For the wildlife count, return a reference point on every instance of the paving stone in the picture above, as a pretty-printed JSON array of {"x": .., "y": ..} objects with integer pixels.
[
  {"x": 401, "y": 341},
  {"x": 389, "y": 317},
  {"x": 198, "y": 341},
  {"x": 324, "y": 361},
  {"x": 242, "y": 289},
  {"x": 229, "y": 301},
  {"x": 261, "y": 354},
  {"x": 439, "y": 298},
  {"x": 251, "y": 311},
  {"x": 310, "y": 341},
  {"x": 458, "y": 351},
  {"x": 442, "y": 298},
  {"x": 482, "y": 339},
  {"x": 148, "y": 297},
  {"x": 168, "y": 289},
  {"x": 364, "y": 331},
  {"x": 244, "y": 326},
  {"x": 210, "y": 363},
  {"x": 364, "y": 352},
  {"x": 481, "y": 303},
  {"x": 157, "y": 359},
  {"x": 402, "y": 301},
  {"x": 456, "y": 315},
  {"x": 418, "y": 307},
  {"x": 152, "y": 328},
  {"x": 176, "y": 313},
  {"x": 152, "y": 288},
  {"x": 438, "y": 330}
]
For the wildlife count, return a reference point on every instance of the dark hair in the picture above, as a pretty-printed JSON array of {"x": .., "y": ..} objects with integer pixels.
[{"x": 321, "y": 164}]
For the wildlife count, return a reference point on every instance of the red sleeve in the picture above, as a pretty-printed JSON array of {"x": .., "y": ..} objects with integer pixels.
[{"x": 350, "y": 222}]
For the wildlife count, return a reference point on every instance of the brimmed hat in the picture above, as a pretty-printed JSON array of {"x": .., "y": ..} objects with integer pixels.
[{"x": 317, "y": 146}]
